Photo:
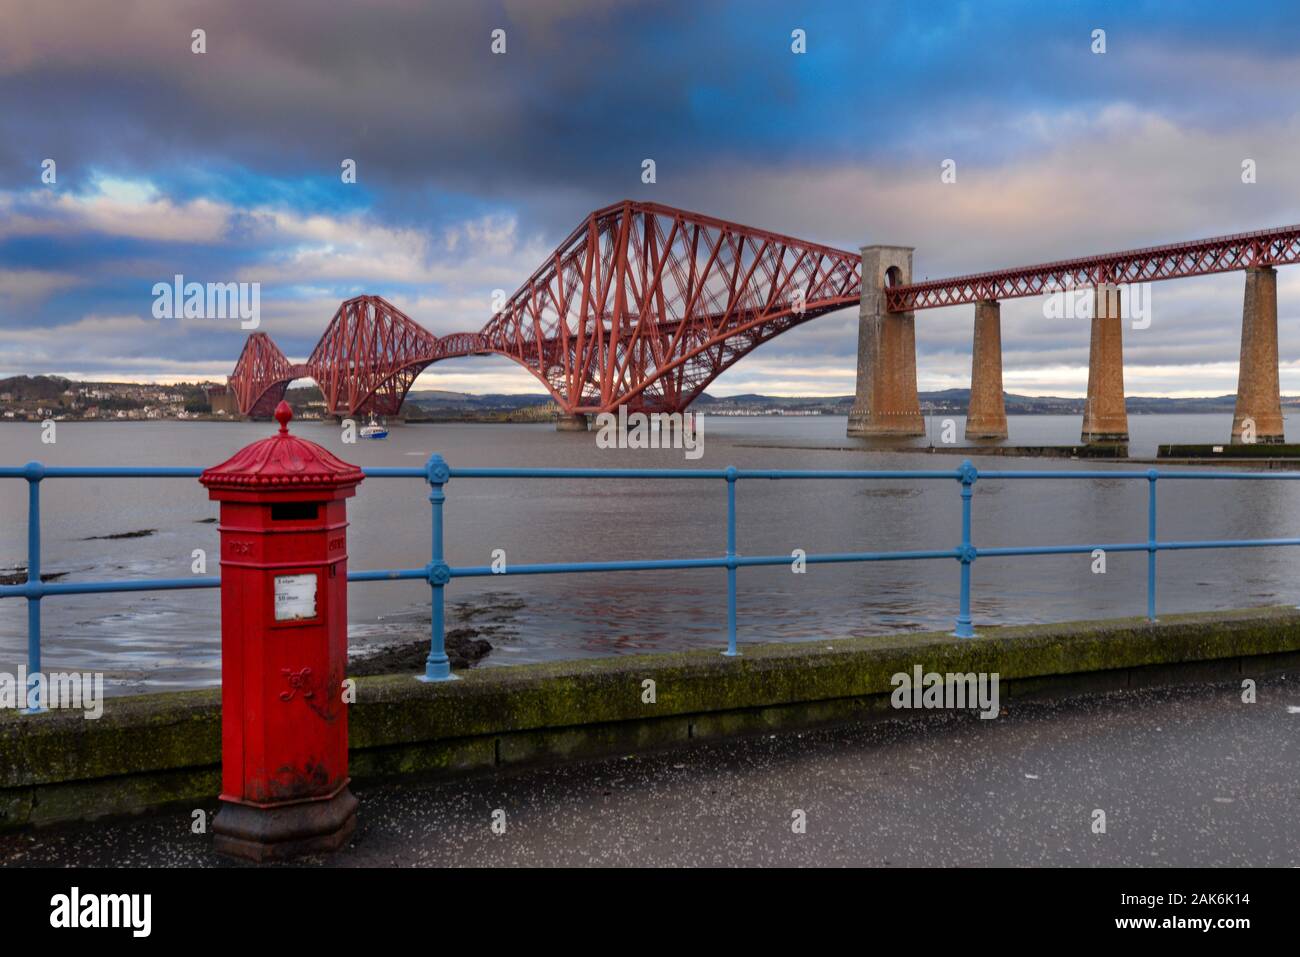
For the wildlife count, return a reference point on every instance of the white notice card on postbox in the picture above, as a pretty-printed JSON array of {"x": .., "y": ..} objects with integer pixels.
[{"x": 295, "y": 597}]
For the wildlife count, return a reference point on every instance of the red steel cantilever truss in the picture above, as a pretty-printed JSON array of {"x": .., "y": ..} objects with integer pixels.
[
  {"x": 261, "y": 375},
  {"x": 371, "y": 353},
  {"x": 1200, "y": 257},
  {"x": 644, "y": 305},
  {"x": 367, "y": 359}
]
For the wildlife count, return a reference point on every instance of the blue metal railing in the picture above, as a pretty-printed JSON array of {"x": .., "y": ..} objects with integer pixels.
[{"x": 438, "y": 573}]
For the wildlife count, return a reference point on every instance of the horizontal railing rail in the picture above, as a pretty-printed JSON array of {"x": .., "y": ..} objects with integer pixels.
[{"x": 438, "y": 573}]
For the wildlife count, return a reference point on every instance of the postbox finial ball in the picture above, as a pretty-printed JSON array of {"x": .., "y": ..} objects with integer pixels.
[{"x": 282, "y": 415}]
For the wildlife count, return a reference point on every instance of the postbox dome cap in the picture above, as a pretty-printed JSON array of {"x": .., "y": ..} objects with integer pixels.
[{"x": 282, "y": 462}]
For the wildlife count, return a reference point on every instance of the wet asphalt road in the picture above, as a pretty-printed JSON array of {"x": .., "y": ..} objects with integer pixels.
[{"x": 1185, "y": 777}]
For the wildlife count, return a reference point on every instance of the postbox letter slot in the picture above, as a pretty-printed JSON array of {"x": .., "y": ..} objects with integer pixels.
[{"x": 294, "y": 511}]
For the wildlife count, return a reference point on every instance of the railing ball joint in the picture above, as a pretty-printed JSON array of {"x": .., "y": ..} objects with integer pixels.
[
  {"x": 33, "y": 471},
  {"x": 438, "y": 573},
  {"x": 436, "y": 470}
]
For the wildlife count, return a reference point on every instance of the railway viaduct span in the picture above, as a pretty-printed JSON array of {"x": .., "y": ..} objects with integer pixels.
[{"x": 644, "y": 305}]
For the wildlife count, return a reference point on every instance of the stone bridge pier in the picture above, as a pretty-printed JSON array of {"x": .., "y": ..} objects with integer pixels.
[
  {"x": 571, "y": 422},
  {"x": 1105, "y": 416},
  {"x": 1259, "y": 394},
  {"x": 886, "y": 403},
  {"x": 986, "y": 416}
]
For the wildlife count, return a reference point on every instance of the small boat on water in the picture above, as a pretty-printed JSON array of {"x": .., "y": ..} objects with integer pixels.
[{"x": 373, "y": 430}]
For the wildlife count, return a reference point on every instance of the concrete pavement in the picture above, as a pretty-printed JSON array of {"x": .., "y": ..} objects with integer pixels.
[{"x": 1185, "y": 777}]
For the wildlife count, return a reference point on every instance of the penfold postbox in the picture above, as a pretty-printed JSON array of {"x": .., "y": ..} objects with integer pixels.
[{"x": 284, "y": 647}]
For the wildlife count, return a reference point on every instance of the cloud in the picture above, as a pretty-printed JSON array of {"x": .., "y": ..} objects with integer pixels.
[
  {"x": 120, "y": 208},
  {"x": 19, "y": 286},
  {"x": 483, "y": 253}
]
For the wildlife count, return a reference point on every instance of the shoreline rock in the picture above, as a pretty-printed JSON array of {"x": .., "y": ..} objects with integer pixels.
[{"x": 464, "y": 647}]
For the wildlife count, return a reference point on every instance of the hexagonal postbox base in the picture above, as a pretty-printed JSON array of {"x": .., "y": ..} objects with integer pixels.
[{"x": 284, "y": 831}]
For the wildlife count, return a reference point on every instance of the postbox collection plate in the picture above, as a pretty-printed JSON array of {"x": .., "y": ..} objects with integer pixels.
[{"x": 295, "y": 597}]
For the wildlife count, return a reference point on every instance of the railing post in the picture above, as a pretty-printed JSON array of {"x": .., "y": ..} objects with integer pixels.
[
  {"x": 966, "y": 553},
  {"x": 34, "y": 472},
  {"x": 437, "y": 667},
  {"x": 731, "y": 651},
  {"x": 1152, "y": 475}
]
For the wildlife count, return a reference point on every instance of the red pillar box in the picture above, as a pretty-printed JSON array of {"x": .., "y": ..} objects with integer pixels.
[{"x": 284, "y": 647}]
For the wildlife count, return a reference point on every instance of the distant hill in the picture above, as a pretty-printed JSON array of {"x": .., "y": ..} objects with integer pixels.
[
  {"x": 440, "y": 401},
  {"x": 958, "y": 399},
  {"x": 435, "y": 400}
]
